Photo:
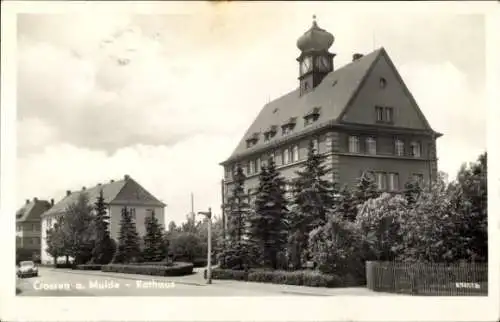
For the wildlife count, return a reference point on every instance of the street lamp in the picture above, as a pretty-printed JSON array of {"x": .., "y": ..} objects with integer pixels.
[{"x": 208, "y": 214}]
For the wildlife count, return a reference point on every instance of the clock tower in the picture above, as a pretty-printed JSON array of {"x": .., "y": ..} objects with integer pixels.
[{"x": 315, "y": 61}]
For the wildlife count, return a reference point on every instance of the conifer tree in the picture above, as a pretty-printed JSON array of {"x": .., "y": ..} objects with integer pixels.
[
  {"x": 105, "y": 247},
  {"x": 128, "y": 240},
  {"x": 154, "y": 247},
  {"x": 313, "y": 199},
  {"x": 366, "y": 188},
  {"x": 268, "y": 223},
  {"x": 345, "y": 208},
  {"x": 238, "y": 209}
]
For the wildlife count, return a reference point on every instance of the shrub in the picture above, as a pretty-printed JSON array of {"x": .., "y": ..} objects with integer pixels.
[
  {"x": 304, "y": 278},
  {"x": 162, "y": 263},
  {"x": 89, "y": 267},
  {"x": 64, "y": 265},
  {"x": 177, "y": 269}
]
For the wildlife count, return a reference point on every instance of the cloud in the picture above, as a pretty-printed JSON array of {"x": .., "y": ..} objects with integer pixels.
[
  {"x": 170, "y": 173},
  {"x": 165, "y": 98}
]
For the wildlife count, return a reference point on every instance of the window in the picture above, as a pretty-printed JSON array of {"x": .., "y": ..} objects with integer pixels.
[
  {"x": 415, "y": 149},
  {"x": 277, "y": 158},
  {"x": 353, "y": 144},
  {"x": 263, "y": 162},
  {"x": 399, "y": 147},
  {"x": 251, "y": 167},
  {"x": 295, "y": 156},
  {"x": 382, "y": 82},
  {"x": 132, "y": 213},
  {"x": 286, "y": 130},
  {"x": 18, "y": 228},
  {"x": 371, "y": 146},
  {"x": 393, "y": 181},
  {"x": 381, "y": 180},
  {"x": 228, "y": 173},
  {"x": 149, "y": 213},
  {"x": 418, "y": 177},
  {"x": 257, "y": 165},
  {"x": 380, "y": 113},
  {"x": 315, "y": 146},
  {"x": 285, "y": 156},
  {"x": 388, "y": 114}
]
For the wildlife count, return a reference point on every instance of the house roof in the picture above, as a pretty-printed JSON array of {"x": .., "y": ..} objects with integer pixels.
[
  {"x": 332, "y": 95},
  {"x": 30, "y": 208},
  {"x": 122, "y": 191},
  {"x": 330, "y": 98}
]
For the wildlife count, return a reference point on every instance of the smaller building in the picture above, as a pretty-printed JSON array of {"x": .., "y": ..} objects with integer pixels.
[
  {"x": 28, "y": 228},
  {"x": 117, "y": 195}
]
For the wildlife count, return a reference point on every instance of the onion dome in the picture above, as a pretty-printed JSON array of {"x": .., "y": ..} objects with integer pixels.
[{"x": 315, "y": 39}]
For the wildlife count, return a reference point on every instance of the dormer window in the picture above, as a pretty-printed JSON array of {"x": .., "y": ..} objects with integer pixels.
[
  {"x": 288, "y": 127},
  {"x": 252, "y": 140},
  {"x": 270, "y": 133},
  {"x": 312, "y": 116}
]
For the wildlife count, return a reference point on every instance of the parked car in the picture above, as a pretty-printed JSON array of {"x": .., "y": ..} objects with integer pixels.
[{"x": 27, "y": 268}]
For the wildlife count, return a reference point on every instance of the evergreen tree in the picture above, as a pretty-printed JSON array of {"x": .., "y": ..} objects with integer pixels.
[
  {"x": 366, "y": 188},
  {"x": 268, "y": 224},
  {"x": 314, "y": 198},
  {"x": 105, "y": 247},
  {"x": 154, "y": 247},
  {"x": 128, "y": 241},
  {"x": 345, "y": 206},
  {"x": 234, "y": 254}
]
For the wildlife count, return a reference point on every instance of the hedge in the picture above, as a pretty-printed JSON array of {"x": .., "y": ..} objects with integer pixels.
[
  {"x": 64, "y": 265},
  {"x": 169, "y": 264},
  {"x": 303, "y": 278},
  {"x": 89, "y": 267},
  {"x": 177, "y": 269}
]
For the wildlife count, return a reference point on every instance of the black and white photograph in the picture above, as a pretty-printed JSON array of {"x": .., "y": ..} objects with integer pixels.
[{"x": 286, "y": 151}]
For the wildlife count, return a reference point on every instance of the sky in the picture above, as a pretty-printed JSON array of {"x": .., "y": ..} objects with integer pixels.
[{"x": 165, "y": 98}]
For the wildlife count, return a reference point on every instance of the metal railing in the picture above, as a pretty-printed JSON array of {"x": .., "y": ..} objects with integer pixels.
[{"x": 432, "y": 279}]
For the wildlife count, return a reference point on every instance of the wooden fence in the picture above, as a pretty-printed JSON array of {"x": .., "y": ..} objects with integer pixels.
[{"x": 432, "y": 279}]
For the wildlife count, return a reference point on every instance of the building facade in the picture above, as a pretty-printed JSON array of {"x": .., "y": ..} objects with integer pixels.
[
  {"x": 117, "y": 195},
  {"x": 28, "y": 228},
  {"x": 361, "y": 116}
]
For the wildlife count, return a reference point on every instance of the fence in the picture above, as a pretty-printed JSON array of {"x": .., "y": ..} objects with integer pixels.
[{"x": 433, "y": 279}]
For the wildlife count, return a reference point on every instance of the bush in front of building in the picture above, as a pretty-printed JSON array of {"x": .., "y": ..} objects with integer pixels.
[
  {"x": 89, "y": 267},
  {"x": 64, "y": 265},
  {"x": 301, "y": 278},
  {"x": 177, "y": 269}
]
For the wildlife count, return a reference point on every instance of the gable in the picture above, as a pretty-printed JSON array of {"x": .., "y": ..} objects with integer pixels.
[
  {"x": 395, "y": 94},
  {"x": 132, "y": 192},
  {"x": 331, "y": 96},
  {"x": 32, "y": 211}
]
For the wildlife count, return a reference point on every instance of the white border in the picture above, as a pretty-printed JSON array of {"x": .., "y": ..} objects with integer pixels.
[{"x": 236, "y": 308}]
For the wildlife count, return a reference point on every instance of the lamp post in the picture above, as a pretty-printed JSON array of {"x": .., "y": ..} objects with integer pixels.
[{"x": 208, "y": 214}]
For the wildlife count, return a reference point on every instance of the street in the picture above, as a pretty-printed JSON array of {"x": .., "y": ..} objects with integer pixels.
[{"x": 67, "y": 282}]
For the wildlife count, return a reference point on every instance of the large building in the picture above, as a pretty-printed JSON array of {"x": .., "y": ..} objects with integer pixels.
[
  {"x": 117, "y": 195},
  {"x": 28, "y": 228},
  {"x": 361, "y": 116}
]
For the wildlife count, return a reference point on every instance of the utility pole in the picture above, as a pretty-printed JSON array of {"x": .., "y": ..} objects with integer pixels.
[
  {"x": 223, "y": 210},
  {"x": 208, "y": 214},
  {"x": 192, "y": 206}
]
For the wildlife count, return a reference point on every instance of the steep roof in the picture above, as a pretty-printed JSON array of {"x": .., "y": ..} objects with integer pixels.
[
  {"x": 332, "y": 95},
  {"x": 33, "y": 208},
  {"x": 126, "y": 190}
]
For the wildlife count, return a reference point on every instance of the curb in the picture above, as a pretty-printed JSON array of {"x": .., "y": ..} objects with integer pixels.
[{"x": 127, "y": 277}]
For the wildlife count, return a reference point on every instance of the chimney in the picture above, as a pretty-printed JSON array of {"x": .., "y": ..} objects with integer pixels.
[
  {"x": 127, "y": 177},
  {"x": 112, "y": 181},
  {"x": 356, "y": 56},
  {"x": 83, "y": 188},
  {"x": 35, "y": 199},
  {"x": 68, "y": 192},
  {"x": 52, "y": 202},
  {"x": 27, "y": 201},
  {"x": 99, "y": 184}
]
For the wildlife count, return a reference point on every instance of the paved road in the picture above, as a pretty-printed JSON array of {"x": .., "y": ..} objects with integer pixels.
[{"x": 66, "y": 282}]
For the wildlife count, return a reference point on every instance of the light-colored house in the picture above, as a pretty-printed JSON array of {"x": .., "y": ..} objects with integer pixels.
[
  {"x": 28, "y": 227},
  {"x": 117, "y": 194}
]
